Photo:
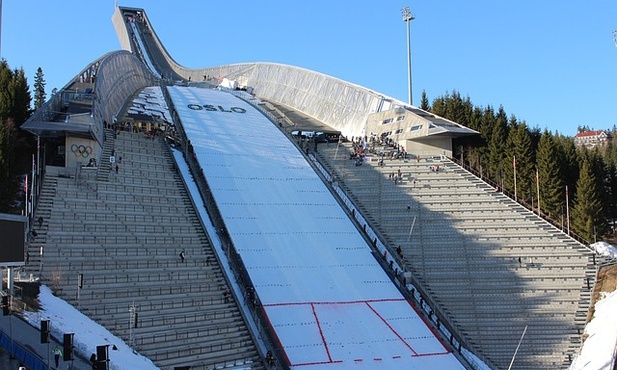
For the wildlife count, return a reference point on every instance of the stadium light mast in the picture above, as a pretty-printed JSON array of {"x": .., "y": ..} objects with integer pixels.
[
  {"x": 0, "y": 28},
  {"x": 408, "y": 17}
]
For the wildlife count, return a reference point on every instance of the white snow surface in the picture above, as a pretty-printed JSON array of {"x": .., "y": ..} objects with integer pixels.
[
  {"x": 64, "y": 318},
  {"x": 600, "y": 348},
  {"x": 598, "y": 351},
  {"x": 605, "y": 249},
  {"x": 329, "y": 302}
]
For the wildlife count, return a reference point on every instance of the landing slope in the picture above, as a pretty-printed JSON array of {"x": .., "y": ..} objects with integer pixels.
[{"x": 329, "y": 302}]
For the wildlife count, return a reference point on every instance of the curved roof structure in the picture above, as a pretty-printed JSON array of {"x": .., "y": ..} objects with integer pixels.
[{"x": 343, "y": 105}]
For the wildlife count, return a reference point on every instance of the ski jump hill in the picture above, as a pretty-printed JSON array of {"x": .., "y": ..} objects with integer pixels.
[{"x": 293, "y": 255}]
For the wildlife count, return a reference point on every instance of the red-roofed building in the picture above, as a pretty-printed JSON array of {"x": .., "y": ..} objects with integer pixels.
[{"x": 591, "y": 139}]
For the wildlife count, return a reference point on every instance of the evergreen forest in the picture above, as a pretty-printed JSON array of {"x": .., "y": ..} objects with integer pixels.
[
  {"x": 545, "y": 165},
  {"x": 16, "y": 146}
]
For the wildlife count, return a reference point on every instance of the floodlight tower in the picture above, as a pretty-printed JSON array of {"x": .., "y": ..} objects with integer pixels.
[
  {"x": 0, "y": 28},
  {"x": 408, "y": 17}
]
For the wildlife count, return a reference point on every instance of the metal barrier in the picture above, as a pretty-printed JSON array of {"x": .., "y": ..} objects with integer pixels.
[{"x": 16, "y": 350}]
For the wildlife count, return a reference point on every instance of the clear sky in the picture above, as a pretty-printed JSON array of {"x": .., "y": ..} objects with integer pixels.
[{"x": 551, "y": 63}]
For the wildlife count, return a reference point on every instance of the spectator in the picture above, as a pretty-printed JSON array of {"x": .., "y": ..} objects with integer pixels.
[{"x": 57, "y": 353}]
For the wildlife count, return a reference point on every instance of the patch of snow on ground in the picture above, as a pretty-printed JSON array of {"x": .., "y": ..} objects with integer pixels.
[
  {"x": 599, "y": 349},
  {"x": 64, "y": 318},
  {"x": 604, "y": 249}
]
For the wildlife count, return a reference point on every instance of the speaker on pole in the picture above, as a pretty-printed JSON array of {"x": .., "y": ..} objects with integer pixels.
[
  {"x": 67, "y": 345},
  {"x": 44, "y": 331},
  {"x": 102, "y": 357},
  {"x": 6, "y": 309}
]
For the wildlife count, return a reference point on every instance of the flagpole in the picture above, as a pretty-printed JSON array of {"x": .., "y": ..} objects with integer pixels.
[
  {"x": 26, "y": 199},
  {"x": 514, "y": 165},
  {"x": 538, "y": 188},
  {"x": 567, "y": 210}
]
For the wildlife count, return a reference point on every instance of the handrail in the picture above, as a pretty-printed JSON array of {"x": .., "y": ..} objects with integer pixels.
[
  {"x": 522, "y": 202},
  {"x": 412, "y": 290},
  {"x": 235, "y": 261}
]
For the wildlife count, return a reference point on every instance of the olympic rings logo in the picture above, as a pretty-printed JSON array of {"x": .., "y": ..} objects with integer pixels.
[{"x": 81, "y": 150}]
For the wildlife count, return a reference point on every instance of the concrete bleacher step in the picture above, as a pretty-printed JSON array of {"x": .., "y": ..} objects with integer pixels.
[
  {"x": 123, "y": 233},
  {"x": 464, "y": 249}
]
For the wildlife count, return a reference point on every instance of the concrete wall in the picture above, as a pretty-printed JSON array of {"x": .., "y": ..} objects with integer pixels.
[
  {"x": 80, "y": 151},
  {"x": 430, "y": 146}
]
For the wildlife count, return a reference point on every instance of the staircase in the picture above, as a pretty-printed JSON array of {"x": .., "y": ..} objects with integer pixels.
[{"x": 123, "y": 233}]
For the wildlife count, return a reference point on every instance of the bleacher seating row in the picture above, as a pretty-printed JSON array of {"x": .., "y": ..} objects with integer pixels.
[
  {"x": 123, "y": 233},
  {"x": 490, "y": 264}
]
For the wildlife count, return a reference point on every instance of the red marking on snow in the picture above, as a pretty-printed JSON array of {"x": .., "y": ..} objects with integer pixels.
[
  {"x": 332, "y": 303},
  {"x": 392, "y": 329},
  {"x": 368, "y": 304},
  {"x": 323, "y": 338}
]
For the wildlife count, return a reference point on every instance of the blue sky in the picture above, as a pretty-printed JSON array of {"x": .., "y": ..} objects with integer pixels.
[{"x": 551, "y": 63}]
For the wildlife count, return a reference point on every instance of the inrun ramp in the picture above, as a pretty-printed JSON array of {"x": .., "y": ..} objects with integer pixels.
[{"x": 329, "y": 302}]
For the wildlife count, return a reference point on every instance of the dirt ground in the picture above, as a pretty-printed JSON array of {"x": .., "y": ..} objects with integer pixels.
[{"x": 607, "y": 283}]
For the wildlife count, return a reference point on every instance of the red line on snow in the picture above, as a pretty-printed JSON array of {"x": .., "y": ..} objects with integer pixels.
[
  {"x": 333, "y": 302},
  {"x": 323, "y": 338},
  {"x": 392, "y": 329},
  {"x": 317, "y": 363}
]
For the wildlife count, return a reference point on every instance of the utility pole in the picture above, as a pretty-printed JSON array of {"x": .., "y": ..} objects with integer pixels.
[
  {"x": 408, "y": 17},
  {"x": 0, "y": 28}
]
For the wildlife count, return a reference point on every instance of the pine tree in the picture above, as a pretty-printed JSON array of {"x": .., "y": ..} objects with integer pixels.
[
  {"x": 569, "y": 160},
  {"x": 496, "y": 152},
  {"x": 20, "y": 99},
  {"x": 519, "y": 146},
  {"x": 458, "y": 109},
  {"x": 424, "y": 105},
  {"x": 587, "y": 210},
  {"x": 550, "y": 178},
  {"x": 14, "y": 150},
  {"x": 39, "y": 89},
  {"x": 610, "y": 157}
]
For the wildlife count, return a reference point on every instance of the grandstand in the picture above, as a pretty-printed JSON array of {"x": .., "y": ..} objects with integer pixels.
[{"x": 292, "y": 252}]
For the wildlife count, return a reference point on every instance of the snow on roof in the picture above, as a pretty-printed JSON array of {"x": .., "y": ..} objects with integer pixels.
[{"x": 325, "y": 295}]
